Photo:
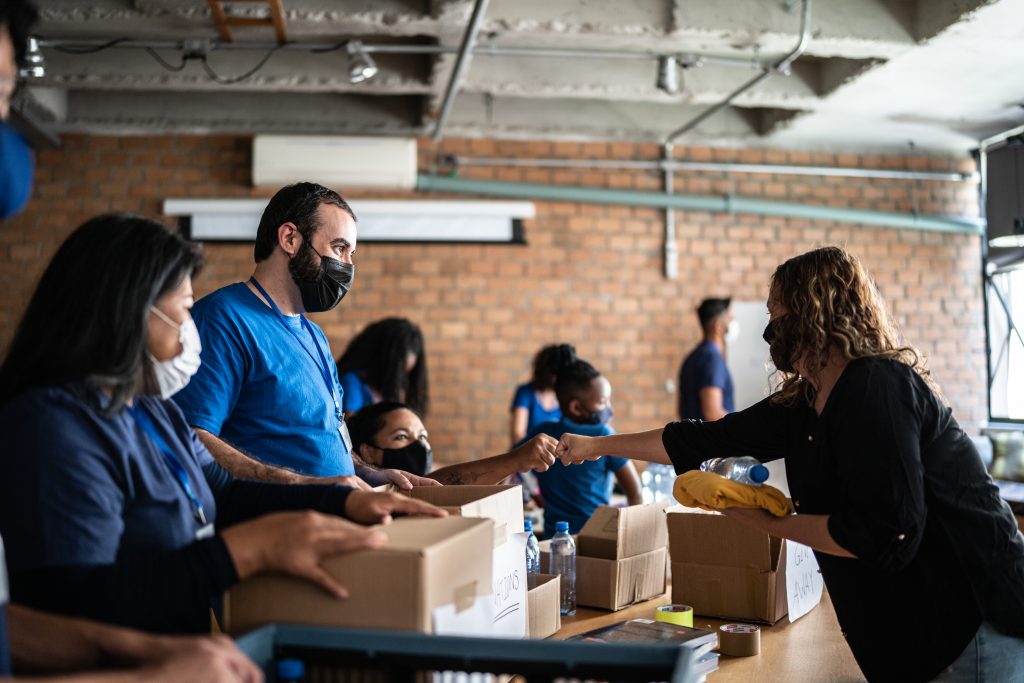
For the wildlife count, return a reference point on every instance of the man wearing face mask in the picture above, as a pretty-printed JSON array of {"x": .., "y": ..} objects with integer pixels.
[
  {"x": 266, "y": 400},
  {"x": 705, "y": 385}
]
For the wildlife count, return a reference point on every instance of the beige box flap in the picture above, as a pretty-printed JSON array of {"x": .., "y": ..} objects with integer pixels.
[
  {"x": 615, "y": 533},
  {"x": 717, "y": 540},
  {"x": 543, "y": 605},
  {"x": 425, "y": 564},
  {"x": 503, "y": 504}
]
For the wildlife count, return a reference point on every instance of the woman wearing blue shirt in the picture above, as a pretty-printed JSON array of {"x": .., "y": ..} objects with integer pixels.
[
  {"x": 535, "y": 402},
  {"x": 386, "y": 361},
  {"x": 110, "y": 507}
]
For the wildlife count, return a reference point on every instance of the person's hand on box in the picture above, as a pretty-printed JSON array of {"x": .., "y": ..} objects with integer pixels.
[
  {"x": 573, "y": 449},
  {"x": 537, "y": 454},
  {"x": 198, "y": 660},
  {"x": 296, "y": 543},
  {"x": 371, "y": 507},
  {"x": 350, "y": 480}
]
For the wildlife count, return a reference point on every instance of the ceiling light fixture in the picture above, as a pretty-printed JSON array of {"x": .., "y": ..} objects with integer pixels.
[
  {"x": 35, "y": 66},
  {"x": 361, "y": 66},
  {"x": 668, "y": 75}
]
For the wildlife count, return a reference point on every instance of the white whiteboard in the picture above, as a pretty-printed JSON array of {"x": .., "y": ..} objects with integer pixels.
[{"x": 748, "y": 357}]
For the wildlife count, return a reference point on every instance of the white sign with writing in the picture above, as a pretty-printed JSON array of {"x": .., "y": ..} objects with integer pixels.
[
  {"x": 510, "y": 587},
  {"x": 803, "y": 580}
]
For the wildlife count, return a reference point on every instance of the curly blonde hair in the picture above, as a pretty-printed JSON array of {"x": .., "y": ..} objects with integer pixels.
[{"x": 831, "y": 301}]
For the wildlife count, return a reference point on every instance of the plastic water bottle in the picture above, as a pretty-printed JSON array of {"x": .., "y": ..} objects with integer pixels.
[
  {"x": 563, "y": 562},
  {"x": 290, "y": 671},
  {"x": 745, "y": 470},
  {"x": 532, "y": 549}
]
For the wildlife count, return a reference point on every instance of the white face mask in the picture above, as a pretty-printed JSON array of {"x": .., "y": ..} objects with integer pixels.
[
  {"x": 732, "y": 334},
  {"x": 172, "y": 375}
]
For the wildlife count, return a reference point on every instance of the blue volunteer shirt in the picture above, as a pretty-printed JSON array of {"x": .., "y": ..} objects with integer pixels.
[
  {"x": 261, "y": 388},
  {"x": 81, "y": 489},
  {"x": 572, "y": 493},
  {"x": 357, "y": 392},
  {"x": 704, "y": 367},
  {"x": 526, "y": 397}
]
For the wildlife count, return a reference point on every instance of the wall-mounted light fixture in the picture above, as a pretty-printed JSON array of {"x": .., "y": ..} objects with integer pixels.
[
  {"x": 668, "y": 74},
  {"x": 361, "y": 66},
  {"x": 35, "y": 66}
]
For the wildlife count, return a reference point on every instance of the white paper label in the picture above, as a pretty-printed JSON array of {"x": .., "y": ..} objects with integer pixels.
[
  {"x": 803, "y": 580},
  {"x": 476, "y": 621},
  {"x": 509, "y": 587}
]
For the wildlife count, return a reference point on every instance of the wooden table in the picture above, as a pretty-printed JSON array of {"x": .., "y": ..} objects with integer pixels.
[{"x": 812, "y": 649}]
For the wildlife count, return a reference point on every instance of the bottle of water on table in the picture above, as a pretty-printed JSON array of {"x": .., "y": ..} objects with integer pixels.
[
  {"x": 532, "y": 549},
  {"x": 745, "y": 470},
  {"x": 563, "y": 562}
]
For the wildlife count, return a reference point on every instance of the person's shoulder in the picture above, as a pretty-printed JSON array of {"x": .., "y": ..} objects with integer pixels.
[
  {"x": 54, "y": 414},
  {"x": 885, "y": 375},
  {"x": 228, "y": 301}
]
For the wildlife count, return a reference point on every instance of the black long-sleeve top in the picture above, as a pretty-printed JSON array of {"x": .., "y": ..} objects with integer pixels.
[
  {"x": 96, "y": 524},
  {"x": 905, "y": 490}
]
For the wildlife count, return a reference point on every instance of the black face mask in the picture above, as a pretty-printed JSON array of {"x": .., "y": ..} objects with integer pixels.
[
  {"x": 322, "y": 287},
  {"x": 779, "y": 346},
  {"x": 416, "y": 458},
  {"x": 602, "y": 417}
]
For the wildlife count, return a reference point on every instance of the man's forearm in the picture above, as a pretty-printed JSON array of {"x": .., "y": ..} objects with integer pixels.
[
  {"x": 242, "y": 466},
  {"x": 637, "y": 446},
  {"x": 487, "y": 471}
]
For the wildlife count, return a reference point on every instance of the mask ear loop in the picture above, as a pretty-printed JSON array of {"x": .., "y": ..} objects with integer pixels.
[{"x": 166, "y": 318}]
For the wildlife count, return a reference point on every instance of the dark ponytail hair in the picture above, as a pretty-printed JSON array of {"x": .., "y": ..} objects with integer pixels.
[
  {"x": 86, "y": 322},
  {"x": 550, "y": 361},
  {"x": 574, "y": 378},
  {"x": 378, "y": 354},
  {"x": 364, "y": 425}
]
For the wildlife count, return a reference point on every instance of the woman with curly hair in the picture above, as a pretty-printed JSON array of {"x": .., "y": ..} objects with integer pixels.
[
  {"x": 386, "y": 361},
  {"x": 888, "y": 490}
]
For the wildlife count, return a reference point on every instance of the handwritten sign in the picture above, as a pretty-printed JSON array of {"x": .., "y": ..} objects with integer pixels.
[{"x": 803, "y": 580}]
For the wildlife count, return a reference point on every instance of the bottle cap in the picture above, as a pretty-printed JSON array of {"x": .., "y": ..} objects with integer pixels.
[
  {"x": 527, "y": 525},
  {"x": 759, "y": 474},
  {"x": 561, "y": 526},
  {"x": 290, "y": 669}
]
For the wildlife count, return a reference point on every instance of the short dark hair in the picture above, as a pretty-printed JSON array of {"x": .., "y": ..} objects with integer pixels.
[
  {"x": 378, "y": 353},
  {"x": 18, "y": 17},
  {"x": 364, "y": 425},
  {"x": 86, "y": 322},
  {"x": 296, "y": 204},
  {"x": 710, "y": 309},
  {"x": 548, "y": 362},
  {"x": 573, "y": 380}
]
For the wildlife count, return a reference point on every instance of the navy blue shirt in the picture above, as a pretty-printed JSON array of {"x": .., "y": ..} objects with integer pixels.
[
  {"x": 704, "y": 367},
  {"x": 97, "y": 525},
  {"x": 526, "y": 397},
  {"x": 571, "y": 494},
  {"x": 261, "y": 386}
]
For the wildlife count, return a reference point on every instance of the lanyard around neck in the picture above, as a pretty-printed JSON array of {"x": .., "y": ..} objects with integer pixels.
[
  {"x": 171, "y": 458},
  {"x": 323, "y": 365}
]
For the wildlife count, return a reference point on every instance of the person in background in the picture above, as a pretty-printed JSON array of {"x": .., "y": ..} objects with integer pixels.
[
  {"x": 889, "y": 491},
  {"x": 110, "y": 507},
  {"x": 386, "y": 361},
  {"x": 571, "y": 494},
  {"x": 705, "y": 385},
  {"x": 266, "y": 401},
  {"x": 391, "y": 434},
  {"x": 536, "y": 402},
  {"x": 40, "y": 643}
]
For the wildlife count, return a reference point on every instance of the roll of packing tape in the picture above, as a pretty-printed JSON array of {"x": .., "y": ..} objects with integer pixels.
[
  {"x": 680, "y": 615},
  {"x": 739, "y": 640}
]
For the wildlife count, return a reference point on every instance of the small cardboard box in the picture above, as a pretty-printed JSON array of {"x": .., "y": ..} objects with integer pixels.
[
  {"x": 503, "y": 504},
  {"x": 425, "y": 564},
  {"x": 543, "y": 605},
  {"x": 614, "y": 584},
  {"x": 617, "y": 533},
  {"x": 724, "y": 569}
]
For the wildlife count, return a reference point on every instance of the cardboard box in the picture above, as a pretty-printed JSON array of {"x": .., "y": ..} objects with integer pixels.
[
  {"x": 617, "y": 533},
  {"x": 425, "y": 564},
  {"x": 724, "y": 569},
  {"x": 503, "y": 504},
  {"x": 543, "y": 605},
  {"x": 614, "y": 584}
]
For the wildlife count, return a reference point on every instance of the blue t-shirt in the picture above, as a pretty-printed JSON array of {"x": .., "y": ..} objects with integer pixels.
[
  {"x": 261, "y": 388},
  {"x": 81, "y": 489},
  {"x": 526, "y": 397},
  {"x": 572, "y": 493},
  {"x": 357, "y": 393},
  {"x": 704, "y": 367}
]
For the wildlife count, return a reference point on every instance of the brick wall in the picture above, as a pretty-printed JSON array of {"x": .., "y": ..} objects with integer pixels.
[{"x": 590, "y": 275}]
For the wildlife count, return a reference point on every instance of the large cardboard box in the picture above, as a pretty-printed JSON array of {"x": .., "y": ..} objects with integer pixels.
[
  {"x": 425, "y": 564},
  {"x": 614, "y": 584},
  {"x": 544, "y": 606},
  {"x": 616, "y": 533},
  {"x": 724, "y": 569}
]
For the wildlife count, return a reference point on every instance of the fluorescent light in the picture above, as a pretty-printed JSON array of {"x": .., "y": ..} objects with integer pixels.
[{"x": 236, "y": 220}]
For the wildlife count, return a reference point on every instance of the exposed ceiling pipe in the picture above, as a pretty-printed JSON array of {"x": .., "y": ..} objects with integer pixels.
[
  {"x": 465, "y": 51},
  {"x": 673, "y": 165},
  {"x": 671, "y": 249},
  {"x": 782, "y": 67}
]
